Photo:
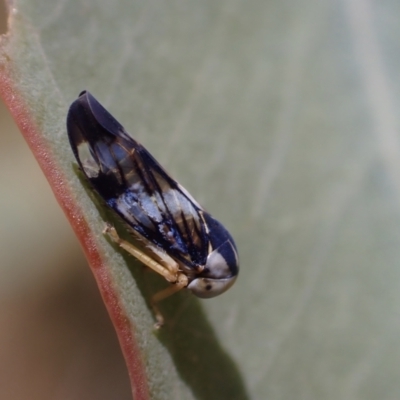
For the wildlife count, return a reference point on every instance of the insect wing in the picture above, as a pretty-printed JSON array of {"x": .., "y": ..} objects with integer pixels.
[{"x": 134, "y": 184}]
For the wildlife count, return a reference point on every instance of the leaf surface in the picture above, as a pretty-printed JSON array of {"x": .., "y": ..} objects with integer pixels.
[{"x": 279, "y": 117}]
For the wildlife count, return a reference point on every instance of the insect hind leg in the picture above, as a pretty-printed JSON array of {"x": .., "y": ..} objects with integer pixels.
[{"x": 170, "y": 276}]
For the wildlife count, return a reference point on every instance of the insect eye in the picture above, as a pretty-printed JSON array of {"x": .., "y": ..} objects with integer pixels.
[{"x": 207, "y": 287}]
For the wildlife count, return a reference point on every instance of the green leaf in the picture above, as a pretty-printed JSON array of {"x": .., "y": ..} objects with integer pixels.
[{"x": 279, "y": 117}]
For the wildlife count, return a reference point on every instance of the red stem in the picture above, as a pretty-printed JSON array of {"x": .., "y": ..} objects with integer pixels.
[{"x": 26, "y": 123}]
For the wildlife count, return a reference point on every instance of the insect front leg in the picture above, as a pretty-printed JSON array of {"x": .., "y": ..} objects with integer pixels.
[{"x": 181, "y": 283}]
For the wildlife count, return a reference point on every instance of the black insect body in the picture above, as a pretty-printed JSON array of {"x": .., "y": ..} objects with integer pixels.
[{"x": 182, "y": 242}]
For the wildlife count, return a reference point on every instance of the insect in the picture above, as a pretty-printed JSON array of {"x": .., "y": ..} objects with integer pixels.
[{"x": 176, "y": 237}]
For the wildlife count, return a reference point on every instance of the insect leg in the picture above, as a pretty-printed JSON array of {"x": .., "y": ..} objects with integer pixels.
[
  {"x": 144, "y": 258},
  {"x": 182, "y": 282}
]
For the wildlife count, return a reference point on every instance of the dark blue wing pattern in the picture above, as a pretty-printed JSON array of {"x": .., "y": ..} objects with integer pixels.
[
  {"x": 135, "y": 185},
  {"x": 158, "y": 209}
]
